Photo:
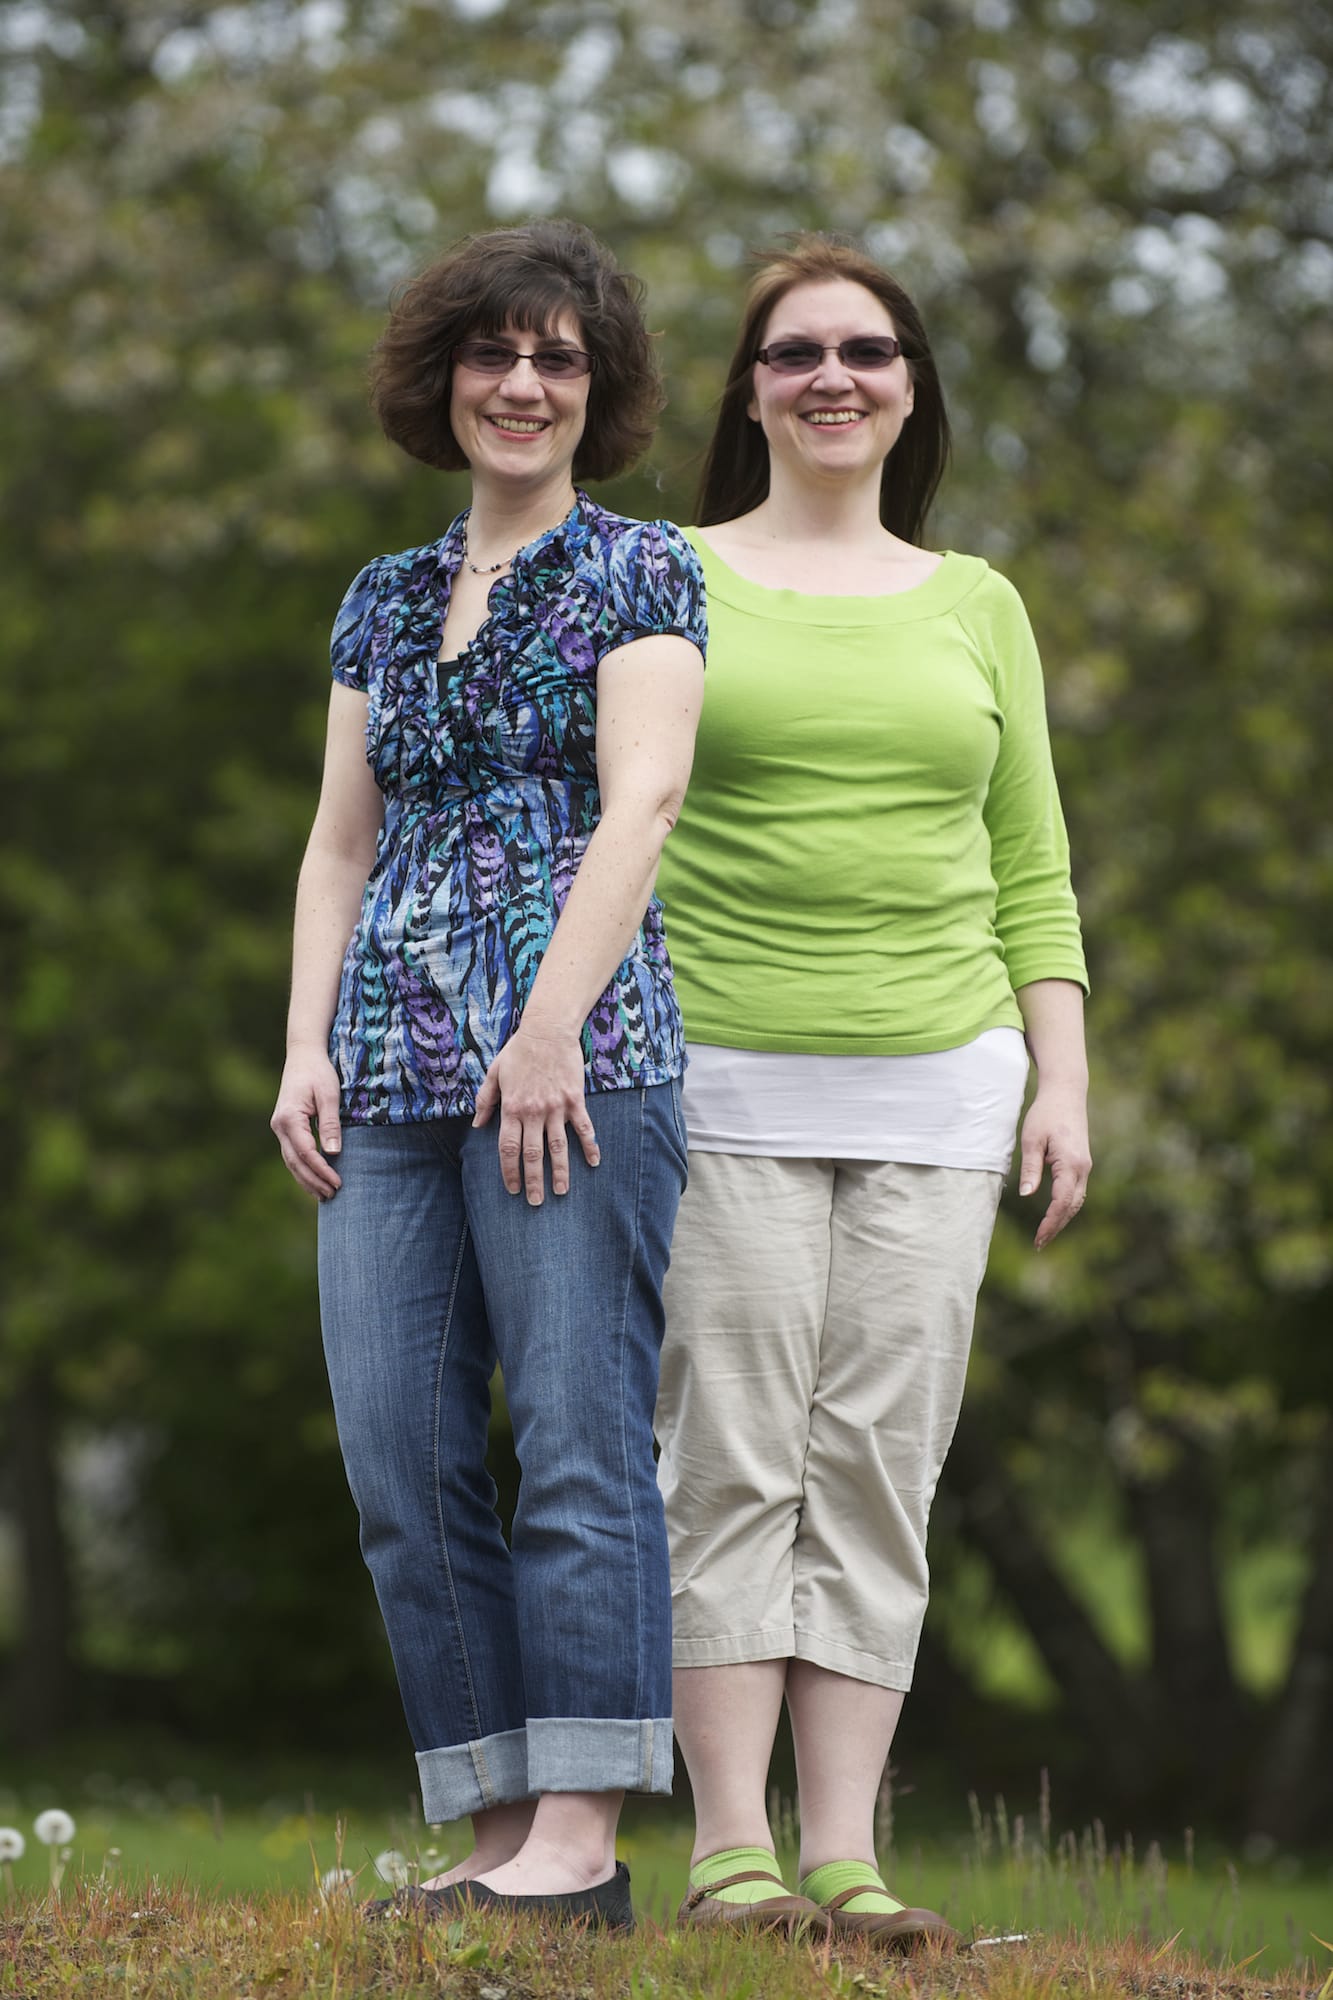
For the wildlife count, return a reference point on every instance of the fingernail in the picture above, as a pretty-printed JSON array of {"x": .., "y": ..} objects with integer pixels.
[{"x": 1026, "y": 1187}]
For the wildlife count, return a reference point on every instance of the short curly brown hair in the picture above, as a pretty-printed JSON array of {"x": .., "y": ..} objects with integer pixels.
[{"x": 525, "y": 276}]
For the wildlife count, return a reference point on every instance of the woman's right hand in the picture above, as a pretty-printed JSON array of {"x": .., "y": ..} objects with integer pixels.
[{"x": 309, "y": 1094}]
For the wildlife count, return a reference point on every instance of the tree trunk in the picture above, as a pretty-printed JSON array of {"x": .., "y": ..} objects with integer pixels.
[
  {"x": 1198, "y": 1717},
  {"x": 1100, "y": 1699},
  {"x": 1174, "y": 1518},
  {"x": 42, "y": 1687},
  {"x": 1290, "y": 1800}
]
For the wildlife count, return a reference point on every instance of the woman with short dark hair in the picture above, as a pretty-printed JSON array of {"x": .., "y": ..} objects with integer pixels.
[
  {"x": 521, "y": 277},
  {"x": 509, "y": 740},
  {"x": 869, "y": 904}
]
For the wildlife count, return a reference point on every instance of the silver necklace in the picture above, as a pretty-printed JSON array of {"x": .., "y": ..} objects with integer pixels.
[
  {"x": 489, "y": 569},
  {"x": 484, "y": 569}
]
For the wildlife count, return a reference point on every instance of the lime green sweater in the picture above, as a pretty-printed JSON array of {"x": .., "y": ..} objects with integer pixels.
[{"x": 871, "y": 855}]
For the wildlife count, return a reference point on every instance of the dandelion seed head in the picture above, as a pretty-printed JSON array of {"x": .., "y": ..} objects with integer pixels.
[
  {"x": 53, "y": 1827},
  {"x": 391, "y": 1866},
  {"x": 12, "y": 1844},
  {"x": 334, "y": 1879}
]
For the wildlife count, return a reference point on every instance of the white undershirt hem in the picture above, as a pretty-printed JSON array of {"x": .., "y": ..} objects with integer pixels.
[{"x": 950, "y": 1108}]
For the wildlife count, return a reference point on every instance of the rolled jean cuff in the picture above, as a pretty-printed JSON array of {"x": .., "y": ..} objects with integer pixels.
[
  {"x": 574, "y": 1753},
  {"x": 467, "y": 1778}
]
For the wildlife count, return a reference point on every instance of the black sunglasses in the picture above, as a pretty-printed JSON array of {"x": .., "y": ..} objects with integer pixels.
[
  {"x": 495, "y": 357},
  {"x": 864, "y": 353}
]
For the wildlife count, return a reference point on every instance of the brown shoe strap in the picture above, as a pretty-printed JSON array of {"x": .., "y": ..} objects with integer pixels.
[
  {"x": 866, "y": 1889},
  {"x": 707, "y": 1889}
]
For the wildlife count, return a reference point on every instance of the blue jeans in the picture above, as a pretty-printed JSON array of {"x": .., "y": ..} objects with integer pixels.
[{"x": 546, "y": 1668}]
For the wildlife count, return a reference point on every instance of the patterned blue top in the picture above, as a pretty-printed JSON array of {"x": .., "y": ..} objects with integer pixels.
[{"x": 489, "y": 773}]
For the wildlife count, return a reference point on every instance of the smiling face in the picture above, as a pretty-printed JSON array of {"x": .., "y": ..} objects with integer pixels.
[
  {"x": 834, "y": 421},
  {"x": 517, "y": 427}
]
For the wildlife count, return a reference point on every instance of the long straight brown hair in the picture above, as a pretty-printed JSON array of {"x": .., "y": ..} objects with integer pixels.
[{"x": 735, "y": 475}]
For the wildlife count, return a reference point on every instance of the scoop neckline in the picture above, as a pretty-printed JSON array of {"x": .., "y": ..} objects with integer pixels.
[{"x": 951, "y": 579}]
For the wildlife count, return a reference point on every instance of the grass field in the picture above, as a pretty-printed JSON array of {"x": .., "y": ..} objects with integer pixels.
[
  {"x": 100, "y": 1940},
  {"x": 998, "y": 1875}
]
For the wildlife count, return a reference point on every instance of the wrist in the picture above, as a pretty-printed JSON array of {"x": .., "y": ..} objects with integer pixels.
[
  {"x": 543, "y": 1025},
  {"x": 302, "y": 1043},
  {"x": 1069, "y": 1082}
]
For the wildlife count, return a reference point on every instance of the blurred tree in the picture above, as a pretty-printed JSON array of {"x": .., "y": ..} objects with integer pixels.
[
  {"x": 1116, "y": 219},
  {"x": 188, "y": 469}
]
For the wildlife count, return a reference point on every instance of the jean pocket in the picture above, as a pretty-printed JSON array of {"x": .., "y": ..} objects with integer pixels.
[{"x": 678, "y": 1120}]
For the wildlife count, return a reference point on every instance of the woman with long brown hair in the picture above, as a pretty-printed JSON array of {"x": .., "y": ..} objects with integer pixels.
[{"x": 869, "y": 907}]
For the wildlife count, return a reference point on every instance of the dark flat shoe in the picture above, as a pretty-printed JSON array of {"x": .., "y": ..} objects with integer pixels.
[
  {"x": 403, "y": 1903},
  {"x": 606, "y": 1906}
]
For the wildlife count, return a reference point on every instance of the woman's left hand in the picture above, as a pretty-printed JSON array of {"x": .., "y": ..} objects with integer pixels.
[
  {"x": 537, "y": 1082},
  {"x": 1055, "y": 1133}
]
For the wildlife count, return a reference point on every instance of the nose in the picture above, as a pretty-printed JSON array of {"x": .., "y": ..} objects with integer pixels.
[
  {"x": 832, "y": 374},
  {"x": 522, "y": 384}
]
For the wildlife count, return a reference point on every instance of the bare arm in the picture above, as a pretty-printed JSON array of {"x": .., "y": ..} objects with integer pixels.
[
  {"x": 649, "y": 695},
  {"x": 338, "y": 859},
  {"x": 1055, "y": 1130}
]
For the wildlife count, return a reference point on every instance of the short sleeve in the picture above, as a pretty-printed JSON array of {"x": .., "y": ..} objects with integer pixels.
[
  {"x": 656, "y": 586},
  {"x": 353, "y": 629}
]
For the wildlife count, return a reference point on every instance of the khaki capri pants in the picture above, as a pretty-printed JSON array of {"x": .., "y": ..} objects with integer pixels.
[{"x": 819, "y": 1316}]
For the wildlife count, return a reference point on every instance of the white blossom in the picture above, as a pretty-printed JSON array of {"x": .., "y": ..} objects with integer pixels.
[
  {"x": 12, "y": 1844},
  {"x": 53, "y": 1828},
  {"x": 334, "y": 1879},
  {"x": 391, "y": 1866}
]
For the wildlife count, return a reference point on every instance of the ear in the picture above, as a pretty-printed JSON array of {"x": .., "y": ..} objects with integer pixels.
[{"x": 909, "y": 400}]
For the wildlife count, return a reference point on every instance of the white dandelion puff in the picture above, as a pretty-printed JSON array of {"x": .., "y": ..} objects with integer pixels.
[
  {"x": 334, "y": 1879},
  {"x": 54, "y": 1827},
  {"x": 12, "y": 1844},
  {"x": 391, "y": 1866}
]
